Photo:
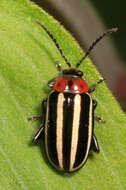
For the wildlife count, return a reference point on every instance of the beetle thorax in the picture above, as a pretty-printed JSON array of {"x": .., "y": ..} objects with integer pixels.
[{"x": 71, "y": 84}]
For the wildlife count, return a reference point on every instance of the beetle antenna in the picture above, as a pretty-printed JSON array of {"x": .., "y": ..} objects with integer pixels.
[
  {"x": 109, "y": 31},
  {"x": 56, "y": 43}
]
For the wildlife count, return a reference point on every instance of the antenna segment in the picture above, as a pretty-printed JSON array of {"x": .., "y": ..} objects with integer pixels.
[
  {"x": 109, "y": 31},
  {"x": 55, "y": 42}
]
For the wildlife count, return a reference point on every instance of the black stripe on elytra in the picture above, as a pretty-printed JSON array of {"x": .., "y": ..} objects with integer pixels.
[
  {"x": 67, "y": 128},
  {"x": 83, "y": 130},
  {"x": 51, "y": 133}
]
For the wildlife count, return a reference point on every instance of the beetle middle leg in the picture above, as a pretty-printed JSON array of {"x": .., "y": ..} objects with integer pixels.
[
  {"x": 41, "y": 129},
  {"x": 35, "y": 118},
  {"x": 94, "y": 142},
  {"x": 52, "y": 82},
  {"x": 97, "y": 118}
]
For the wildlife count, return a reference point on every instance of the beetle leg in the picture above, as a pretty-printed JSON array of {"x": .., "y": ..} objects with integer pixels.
[
  {"x": 41, "y": 129},
  {"x": 58, "y": 66},
  {"x": 39, "y": 133},
  {"x": 94, "y": 144},
  {"x": 35, "y": 118},
  {"x": 92, "y": 89},
  {"x": 94, "y": 104},
  {"x": 52, "y": 82},
  {"x": 99, "y": 119}
]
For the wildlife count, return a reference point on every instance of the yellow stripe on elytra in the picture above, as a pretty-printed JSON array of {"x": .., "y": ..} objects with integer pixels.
[
  {"x": 59, "y": 129},
  {"x": 75, "y": 129}
]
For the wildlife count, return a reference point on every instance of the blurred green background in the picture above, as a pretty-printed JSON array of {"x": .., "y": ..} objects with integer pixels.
[
  {"x": 113, "y": 13},
  {"x": 85, "y": 20}
]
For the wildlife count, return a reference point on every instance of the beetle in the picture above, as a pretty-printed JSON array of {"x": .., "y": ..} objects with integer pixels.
[{"x": 68, "y": 115}]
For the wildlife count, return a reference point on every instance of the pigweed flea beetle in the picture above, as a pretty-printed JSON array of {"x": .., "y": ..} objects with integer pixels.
[{"x": 68, "y": 120}]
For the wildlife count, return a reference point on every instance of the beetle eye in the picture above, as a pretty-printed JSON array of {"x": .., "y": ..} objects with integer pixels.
[
  {"x": 80, "y": 73},
  {"x": 73, "y": 72},
  {"x": 65, "y": 71}
]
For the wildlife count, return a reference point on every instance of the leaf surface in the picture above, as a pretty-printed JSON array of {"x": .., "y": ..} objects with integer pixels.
[{"x": 27, "y": 61}]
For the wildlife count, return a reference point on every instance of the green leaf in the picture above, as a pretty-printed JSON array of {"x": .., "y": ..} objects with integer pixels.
[{"x": 27, "y": 61}]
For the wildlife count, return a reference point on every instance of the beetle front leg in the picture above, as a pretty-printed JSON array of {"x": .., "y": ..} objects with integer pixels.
[
  {"x": 92, "y": 89},
  {"x": 52, "y": 82},
  {"x": 95, "y": 104}
]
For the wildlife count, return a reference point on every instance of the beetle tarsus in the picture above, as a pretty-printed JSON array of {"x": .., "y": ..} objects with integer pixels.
[
  {"x": 38, "y": 134},
  {"x": 35, "y": 118},
  {"x": 92, "y": 89},
  {"x": 94, "y": 144},
  {"x": 99, "y": 119}
]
